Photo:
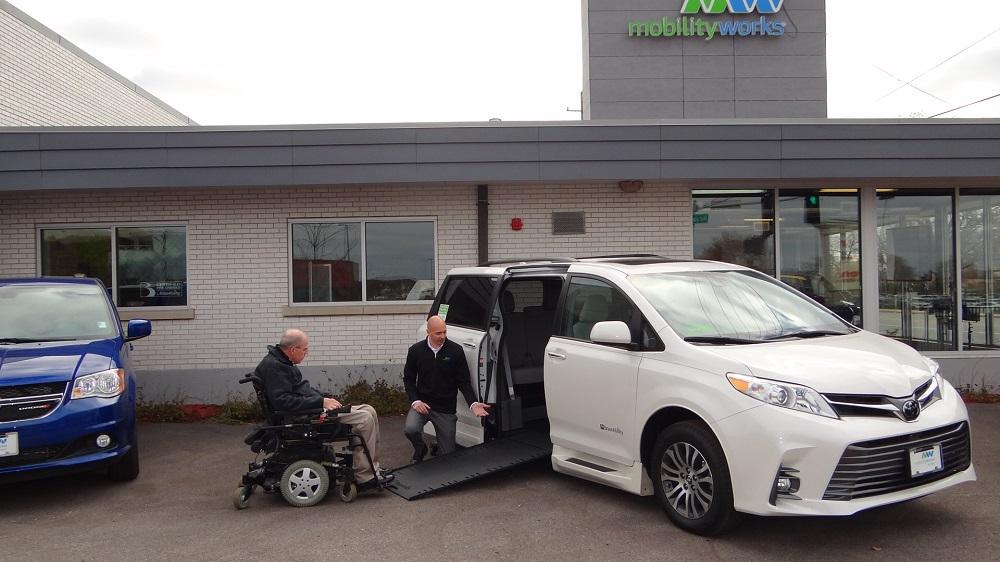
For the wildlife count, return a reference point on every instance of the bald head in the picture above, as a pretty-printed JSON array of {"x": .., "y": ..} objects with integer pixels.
[
  {"x": 292, "y": 337},
  {"x": 437, "y": 331}
]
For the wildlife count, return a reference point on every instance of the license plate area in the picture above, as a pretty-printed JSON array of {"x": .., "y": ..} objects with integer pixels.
[
  {"x": 925, "y": 460},
  {"x": 8, "y": 444}
]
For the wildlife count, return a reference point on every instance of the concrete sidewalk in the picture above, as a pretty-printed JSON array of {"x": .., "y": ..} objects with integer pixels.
[{"x": 180, "y": 508}]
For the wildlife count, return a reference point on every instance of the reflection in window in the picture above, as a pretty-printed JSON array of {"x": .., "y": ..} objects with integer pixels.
[
  {"x": 979, "y": 225},
  {"x": 399, "y": 261},
  {"x": 152, "y": 266},
  {"x": 326, "y": 262},
  {"x": 149, "y": 262},
  {"x": 821, "y": 248},
  {"x": 916, "y": 268},
  {"x": 363, "y": 261},
  {"x": 735, "y": 226}
]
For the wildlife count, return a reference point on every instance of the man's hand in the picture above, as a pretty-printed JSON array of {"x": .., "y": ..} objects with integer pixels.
[
  {"x": 331, "y": 404},
  {"x": 480, "y": 409},
  {"x": 421, "y": 407}
]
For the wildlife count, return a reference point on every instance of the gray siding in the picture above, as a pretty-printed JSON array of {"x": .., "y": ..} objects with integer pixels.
[
  {"x": 691, "y": 77},
  {"x": 760, "y": 151}
]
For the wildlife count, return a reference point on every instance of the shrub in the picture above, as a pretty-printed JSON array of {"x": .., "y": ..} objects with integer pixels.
[
  {"x": 167, "y": 411},
  {"x": 240, "y": 410},
  {"x": 385, "y": 398}
]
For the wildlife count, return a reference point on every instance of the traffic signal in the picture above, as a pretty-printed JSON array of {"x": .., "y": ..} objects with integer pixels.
[{"x": 812, "y": 209}]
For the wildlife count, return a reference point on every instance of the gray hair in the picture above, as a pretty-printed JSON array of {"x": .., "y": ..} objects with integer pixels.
[{"x": 291, "y": 337}]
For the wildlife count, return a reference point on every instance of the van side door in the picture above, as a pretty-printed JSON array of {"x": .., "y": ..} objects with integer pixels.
[
  {"x": 464, "y": 303},
  {"x": 590, "y": 388}
]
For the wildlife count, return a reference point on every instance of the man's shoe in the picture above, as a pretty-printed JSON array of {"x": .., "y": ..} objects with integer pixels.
[
  {"x": 379, "y": 481},
  {"x": 418, "y": 454}
]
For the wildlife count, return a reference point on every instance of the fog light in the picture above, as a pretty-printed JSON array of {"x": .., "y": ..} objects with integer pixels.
[
  {"x": 103, "y": 440},
  {"x": 785, "y": 485}
]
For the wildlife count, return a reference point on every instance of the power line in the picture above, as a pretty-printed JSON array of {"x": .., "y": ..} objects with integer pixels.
[
  {"x": 968, "y": 104},
  {"x": 924, "y": 73},
  {"x": 914, "y": 86}
]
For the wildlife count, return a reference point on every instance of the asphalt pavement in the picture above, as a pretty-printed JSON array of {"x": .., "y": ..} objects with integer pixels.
[{"x": 180, "y": 509}]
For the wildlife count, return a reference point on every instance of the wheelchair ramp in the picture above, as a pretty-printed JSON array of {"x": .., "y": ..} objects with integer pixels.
[{"x": 438, "y": 473}]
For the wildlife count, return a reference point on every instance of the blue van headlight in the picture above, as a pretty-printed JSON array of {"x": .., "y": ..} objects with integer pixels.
[{"x": 105, "y": 384}]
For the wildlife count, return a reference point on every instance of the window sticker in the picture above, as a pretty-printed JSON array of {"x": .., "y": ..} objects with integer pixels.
[{"x": 443, "y": 311}]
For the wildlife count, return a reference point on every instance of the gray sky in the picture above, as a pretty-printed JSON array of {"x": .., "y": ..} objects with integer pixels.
[{"x": 365, "y": 61}]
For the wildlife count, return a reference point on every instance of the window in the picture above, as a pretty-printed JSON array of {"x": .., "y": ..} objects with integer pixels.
[
  {"x": 363, "y": 261},
  {"x": 735, "y": 226},
  {"x": 917, "y": 268},
  {"x": 979, "y": 225},
  {"x": 590, "y": 301},
  {"x": 821, "y": 247},
  {"x": 465, "y": 300},
  {"x": 140, "y": 265}
]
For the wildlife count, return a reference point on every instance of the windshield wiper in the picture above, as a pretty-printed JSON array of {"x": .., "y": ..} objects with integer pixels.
[
  {"x": 721, "y": 340},
  {"x": 808, "y": 334},
  {"x": 30, "y": 340}
]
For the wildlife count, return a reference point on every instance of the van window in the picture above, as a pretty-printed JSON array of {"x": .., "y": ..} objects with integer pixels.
[
  {"x": 590, "y": 301},
  {"x": 465, "y": 300}
]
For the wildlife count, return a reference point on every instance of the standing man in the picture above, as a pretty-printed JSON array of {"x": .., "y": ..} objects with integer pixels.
[
  {"x": 288, "y": 392},
  {"x": 434, "y": 373}
]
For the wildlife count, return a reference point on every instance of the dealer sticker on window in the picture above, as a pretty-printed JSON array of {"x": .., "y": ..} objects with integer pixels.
[
  {"x": 924, "y": 460},
  {"x": 8, "y": 444},
  {"x": 443, "y": 311}
]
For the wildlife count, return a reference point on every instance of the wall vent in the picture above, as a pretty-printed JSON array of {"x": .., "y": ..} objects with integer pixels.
[{"x": 571, "y": 222}]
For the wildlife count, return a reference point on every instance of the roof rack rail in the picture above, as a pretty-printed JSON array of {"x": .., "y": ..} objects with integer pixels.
[
  {"x": 612, "y": 256},
  {"x": 524, "y": 260}
]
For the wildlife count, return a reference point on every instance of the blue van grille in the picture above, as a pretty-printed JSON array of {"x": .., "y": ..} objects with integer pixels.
[
  {"x": 34, "y": 455},
  {"x": 30, "y": 401}
]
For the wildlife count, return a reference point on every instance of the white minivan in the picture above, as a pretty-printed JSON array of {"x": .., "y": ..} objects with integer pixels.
[{"x": 715, "y": 387}]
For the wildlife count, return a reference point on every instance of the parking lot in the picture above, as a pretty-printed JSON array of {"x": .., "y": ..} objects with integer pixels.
[{"x": 180, "y": 508}]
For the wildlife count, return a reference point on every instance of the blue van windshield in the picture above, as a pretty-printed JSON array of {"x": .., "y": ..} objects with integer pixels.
[
  {"x": 54, "y": 312},
  {"x": 736, "y": 305}
]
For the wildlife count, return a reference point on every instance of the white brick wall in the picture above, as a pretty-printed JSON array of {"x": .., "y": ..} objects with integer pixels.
[
  {"x": 238, "y": 253},
  {"x": 655, "y": 220},
  {"x": 43, "y": 84}
]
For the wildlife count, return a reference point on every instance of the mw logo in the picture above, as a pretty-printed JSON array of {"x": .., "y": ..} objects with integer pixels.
[
  {"x": 733, "y": 6},
  {"x": 927, "y": 454}
]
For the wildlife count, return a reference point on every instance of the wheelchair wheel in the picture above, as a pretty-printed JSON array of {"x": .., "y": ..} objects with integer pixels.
[
  {"x": 347, "y": 491},
  {"x": 241, "y": 497},
  {"x": 304, "y": 483}
]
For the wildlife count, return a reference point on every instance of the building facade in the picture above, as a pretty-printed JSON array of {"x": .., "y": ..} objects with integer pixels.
[
  {"x": 46, "y": 80},
  {"x": 224, "y": 236}
]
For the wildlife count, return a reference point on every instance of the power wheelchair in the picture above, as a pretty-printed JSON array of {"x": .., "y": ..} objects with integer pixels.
[{"x": 297, "y": 455}]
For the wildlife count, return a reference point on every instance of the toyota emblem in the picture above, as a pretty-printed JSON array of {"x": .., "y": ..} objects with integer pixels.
[{"x": 911, "y": 409}]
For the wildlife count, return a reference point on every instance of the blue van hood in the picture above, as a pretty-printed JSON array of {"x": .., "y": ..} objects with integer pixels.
[{"x": 54, "y": 361}]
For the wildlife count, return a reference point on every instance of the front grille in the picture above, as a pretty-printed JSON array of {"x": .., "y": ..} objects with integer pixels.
[
  {"x": 882, "y": 466},
  {"x": 876, "y": 405},
  {"x": 30, "y": 390},
  {"x": 30, "y": 401},
  {"x": 35, "y": 455}
]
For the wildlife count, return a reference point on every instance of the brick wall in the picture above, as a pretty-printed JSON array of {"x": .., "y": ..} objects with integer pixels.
[
  {"x": 42, "y": 83},
  {"x": 656, "y": 220},
  {"x": 238, "y": 262}
]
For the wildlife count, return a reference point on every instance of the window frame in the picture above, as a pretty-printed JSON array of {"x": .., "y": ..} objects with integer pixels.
[
  {"x": 484, "y": 321},
  {"x": 361, "y": 222},
  {"x": 113, "y": 227}
]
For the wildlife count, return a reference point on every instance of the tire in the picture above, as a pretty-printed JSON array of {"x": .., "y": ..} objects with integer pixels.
[
  {"x": 304, "y": 483},
  {"x": 241, "y": 497},
  {"x": 126, "y": 468},
  {"x": 347, "y": 491},
  {"x": 691, "y": 478}
]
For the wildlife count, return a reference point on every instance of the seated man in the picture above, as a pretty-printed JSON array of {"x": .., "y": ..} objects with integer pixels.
[{"x": 288, "y": 392}]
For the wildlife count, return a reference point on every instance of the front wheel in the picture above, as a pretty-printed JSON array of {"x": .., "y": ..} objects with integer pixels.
[
  {"x": 241, "y": 497},
  {"x": 691, "y": 479},
  {"x": 305, "y": 483}
]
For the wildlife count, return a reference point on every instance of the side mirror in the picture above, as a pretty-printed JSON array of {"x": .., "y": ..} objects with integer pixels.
[
  {"x": 138, "y": 329},
  {"x": 612, "y": 332}
]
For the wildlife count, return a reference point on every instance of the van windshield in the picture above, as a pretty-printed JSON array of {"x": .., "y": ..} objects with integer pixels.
[
  {"x": 735, "y": 307},
  {"x": 54, "y": 312}
]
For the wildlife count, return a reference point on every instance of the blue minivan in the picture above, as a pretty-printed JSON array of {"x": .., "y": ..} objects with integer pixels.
[{"x": 67, "y": 388}]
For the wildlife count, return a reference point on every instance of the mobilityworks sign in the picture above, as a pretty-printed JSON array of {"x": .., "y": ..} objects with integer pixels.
[{"x": 692, "y": 26}]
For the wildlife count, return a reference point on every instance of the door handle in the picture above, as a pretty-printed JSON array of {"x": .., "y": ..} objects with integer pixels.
[
  {"x": 555, "y": 355},
  {"x": 471, "y": 344}
]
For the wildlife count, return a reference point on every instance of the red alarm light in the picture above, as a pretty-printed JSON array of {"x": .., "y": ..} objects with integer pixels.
[{"x": 516, "y": 223}]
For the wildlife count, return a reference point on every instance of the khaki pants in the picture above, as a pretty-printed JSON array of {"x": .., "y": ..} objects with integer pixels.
[{"x": 364, "y": 421}]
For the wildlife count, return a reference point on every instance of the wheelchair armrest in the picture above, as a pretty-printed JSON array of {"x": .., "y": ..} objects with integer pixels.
[{"x": 250, "y": 377}]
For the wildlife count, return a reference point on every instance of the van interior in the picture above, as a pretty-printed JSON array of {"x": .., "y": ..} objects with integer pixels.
[{"x": 527, "y": 316}]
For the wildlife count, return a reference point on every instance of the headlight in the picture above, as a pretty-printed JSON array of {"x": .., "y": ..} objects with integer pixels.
[
  {"x": 791, "y": 396},
  {"x": 106, "y": 384}
]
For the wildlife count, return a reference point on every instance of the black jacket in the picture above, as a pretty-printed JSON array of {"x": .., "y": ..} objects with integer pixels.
[
  {"x": 286, "y": 390},
  {"x": 437, "y": 380}
]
